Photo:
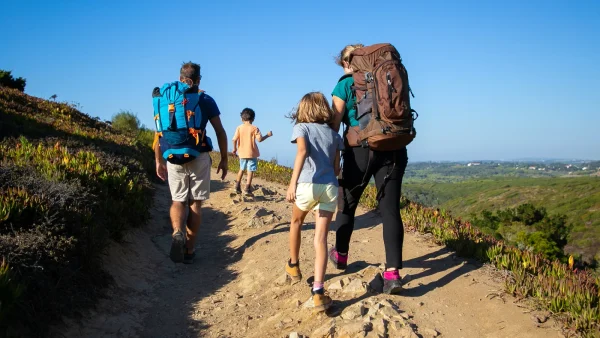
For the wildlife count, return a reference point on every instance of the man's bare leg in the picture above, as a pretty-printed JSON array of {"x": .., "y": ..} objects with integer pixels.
[
  {"x": 178, "y": 222},
  {"x": 193, "y": 224}
]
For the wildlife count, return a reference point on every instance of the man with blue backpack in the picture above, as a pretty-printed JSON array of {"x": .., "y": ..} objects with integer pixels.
[{"x": 181, "y": 148}]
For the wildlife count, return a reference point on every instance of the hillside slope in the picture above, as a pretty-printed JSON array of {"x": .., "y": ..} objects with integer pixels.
[{"x": 69, "y": 184}]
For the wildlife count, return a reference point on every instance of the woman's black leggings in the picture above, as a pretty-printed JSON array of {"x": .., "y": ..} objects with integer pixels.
[{"x": 358, "y": 165}]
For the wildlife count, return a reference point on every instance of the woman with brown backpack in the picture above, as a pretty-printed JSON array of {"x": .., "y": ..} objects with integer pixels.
[{"x": 361, "y": 163}]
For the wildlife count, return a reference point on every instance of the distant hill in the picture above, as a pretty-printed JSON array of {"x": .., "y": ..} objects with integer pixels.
[{"x": 578, "y": 198}]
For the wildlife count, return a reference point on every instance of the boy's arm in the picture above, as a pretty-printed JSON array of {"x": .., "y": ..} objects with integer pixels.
[
  {"x": 262, "y": 138},
  {"x": 298, "y": 164},
  {"x": 222, "y": 140}
]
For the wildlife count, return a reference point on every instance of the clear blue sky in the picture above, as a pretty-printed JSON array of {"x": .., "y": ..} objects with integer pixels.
[{"x": 492, "y": 79}]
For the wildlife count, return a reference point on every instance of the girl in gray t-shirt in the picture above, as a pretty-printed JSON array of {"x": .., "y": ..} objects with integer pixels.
[{"x": 314, "y": 186}]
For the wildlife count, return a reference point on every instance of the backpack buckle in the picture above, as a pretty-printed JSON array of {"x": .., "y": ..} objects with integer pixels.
[{"x": 171, "y": 107}]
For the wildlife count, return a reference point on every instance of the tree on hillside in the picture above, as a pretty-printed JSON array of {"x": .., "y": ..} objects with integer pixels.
[
  {"x": 126, "y": 122},
  {"x": 53, "y": 97},
  {"x": 7, "y": 80}
]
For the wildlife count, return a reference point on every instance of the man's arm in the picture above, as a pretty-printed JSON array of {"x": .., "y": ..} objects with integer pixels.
[
  {"x": 161, "y": 166},
  {"x": 236, "y": 141},
  {"x": 222, "y": 140}
]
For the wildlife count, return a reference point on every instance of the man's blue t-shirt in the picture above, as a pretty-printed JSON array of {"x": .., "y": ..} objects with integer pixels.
[{"x": 209, "y": 109}]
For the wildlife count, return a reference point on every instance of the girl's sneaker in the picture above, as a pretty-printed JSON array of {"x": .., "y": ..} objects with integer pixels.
[
  {"x": 293, "y": 271},
  {"x": 392, "y": 283},
  {"x": 321, "y": 300},
  {"x": 339, "y": 261}
]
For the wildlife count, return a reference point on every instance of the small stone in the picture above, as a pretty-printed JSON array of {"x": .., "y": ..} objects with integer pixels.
[
  {"x": 387, "y": 302},
  {"x": 238, "y": 296},
  {"x": 327, "y": 330},
  {"x": 337, "y": 285},
  {"x": 297, "y": 303},
  {"x": 428, "y": 333},
  {"x": 389, "y": 313},
  {"x": 372, "y": 334},
  {"x": 354, "y": 311},
  {"x": 396, "y": 325},
  {"x": 294, "y": 335},
  {"x": 352, "y": 328},
  {"x": 379, "y": 325},
  {"x": 374, "y": 309},
  {"x": 539, "y": 318},
  {"x": 346, "y": 280},
  {"x": 309, "y": 303},
  {"x": 241, "y": 305},
  {"x": 282, "y": 280},
  {"x": 355, "y": 286},
  {"x": 406, "y": 332},
  {"x": 405, "y": 316},
  {"x": 421, "y": 303}
]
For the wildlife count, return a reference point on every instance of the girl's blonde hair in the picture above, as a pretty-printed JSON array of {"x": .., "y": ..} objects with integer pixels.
[
  {"x": 312, "y": 108},
  {"x": 345, "y": 54}
]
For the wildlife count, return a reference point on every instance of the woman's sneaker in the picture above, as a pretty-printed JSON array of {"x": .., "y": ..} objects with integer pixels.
[
  {"x": 320, "y": 300},
  {"x": 177, "y": 247},
  {"x": 392, "y": 283},
  {"x": 292, "y": 271},
  {"x": 339, "y": 261}
]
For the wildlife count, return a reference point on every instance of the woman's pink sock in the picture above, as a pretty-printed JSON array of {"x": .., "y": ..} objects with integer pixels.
[
  {"x": 317, "y": 285},
  {"x": 391, "y": 275}
]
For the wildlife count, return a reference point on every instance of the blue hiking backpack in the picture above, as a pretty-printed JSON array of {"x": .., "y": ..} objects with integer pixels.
[{"x": 178, "y": 120}]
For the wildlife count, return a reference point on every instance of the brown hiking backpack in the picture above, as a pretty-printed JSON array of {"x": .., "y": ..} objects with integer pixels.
[{"x": 386, "y": 119}]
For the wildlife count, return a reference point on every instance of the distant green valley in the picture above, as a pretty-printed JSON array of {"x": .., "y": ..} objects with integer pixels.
[{"x": 486, "y": 190}]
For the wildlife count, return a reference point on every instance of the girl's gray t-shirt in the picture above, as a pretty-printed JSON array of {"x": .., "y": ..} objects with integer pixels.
[{"x": 322, "y": 143}]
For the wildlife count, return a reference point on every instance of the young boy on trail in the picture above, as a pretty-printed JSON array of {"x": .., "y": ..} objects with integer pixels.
[
  {"x": 314, "y": 186},
  {"x": 244, "y": 146}
]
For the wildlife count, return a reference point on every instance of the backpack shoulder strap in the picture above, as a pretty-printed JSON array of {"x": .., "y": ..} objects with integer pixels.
[{"x": 344, "y": 77}]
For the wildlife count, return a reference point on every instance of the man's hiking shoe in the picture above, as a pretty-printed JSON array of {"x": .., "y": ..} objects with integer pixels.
[
  {"x": 392, "y": 283},
  {"x": 248, "y": 192},
  {"x": 339, "y": 261},
  {"x": 293, "y": 272},
  {"x": 238, "y": 190},
  {"x": 189, "y": 258},
  {"x": 177, "y": 247},
  {"x": 321, "y": 301}
]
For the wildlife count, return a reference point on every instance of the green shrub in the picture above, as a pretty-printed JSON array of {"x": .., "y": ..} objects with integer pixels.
[
  {"x": 68, "y": 185},
  {"x": 126, "y": 122},
  {"x": 7, "y": 80}
]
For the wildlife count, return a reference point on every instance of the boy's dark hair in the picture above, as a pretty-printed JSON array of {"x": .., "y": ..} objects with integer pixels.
[
  {"x": 190, "y": 70},
  {"x": 248, "y": 115}
]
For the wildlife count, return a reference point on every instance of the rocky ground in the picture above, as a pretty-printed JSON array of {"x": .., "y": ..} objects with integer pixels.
[{"x": 237, "y": 288}]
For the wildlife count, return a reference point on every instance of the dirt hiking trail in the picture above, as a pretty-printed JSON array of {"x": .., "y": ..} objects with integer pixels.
[{"x": 235, "y": 288}]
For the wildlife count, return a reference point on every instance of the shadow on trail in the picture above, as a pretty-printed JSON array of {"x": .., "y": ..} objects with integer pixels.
[
  {"x": 433, "y": 263},
  {"x": 174, "y": 311}
]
